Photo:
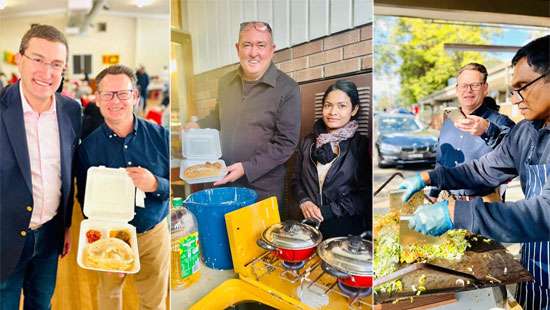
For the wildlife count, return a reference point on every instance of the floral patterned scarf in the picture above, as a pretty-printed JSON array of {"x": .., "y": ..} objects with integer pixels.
[{"x": 326, "y": 141}]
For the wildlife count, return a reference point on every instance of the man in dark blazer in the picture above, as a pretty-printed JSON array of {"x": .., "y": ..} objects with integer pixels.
[{"x": 39, "y": 131}]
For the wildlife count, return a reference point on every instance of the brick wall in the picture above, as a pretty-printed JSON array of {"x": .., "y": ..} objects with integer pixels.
[
  {"x": 346, "y": 52},
  {"x": 342, "y": 53}
]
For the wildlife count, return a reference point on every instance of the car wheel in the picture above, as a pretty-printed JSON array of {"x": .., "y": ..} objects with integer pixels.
[{"x": 380, "y": 163}]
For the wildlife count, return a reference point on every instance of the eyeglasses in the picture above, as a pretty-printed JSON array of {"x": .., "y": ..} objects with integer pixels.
[
  {"x": 260, "y": 26},
  {"x": 472, "y": 86},
  {"x": 517, "y": 92},
  {"x": 122, "y": 95},
  {"x": 56, "y": 66}
]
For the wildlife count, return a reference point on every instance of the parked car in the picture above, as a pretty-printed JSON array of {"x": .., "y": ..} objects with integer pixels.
[
  {"x": 401, "y": 111},
  {"x": 402, "y": 139}
]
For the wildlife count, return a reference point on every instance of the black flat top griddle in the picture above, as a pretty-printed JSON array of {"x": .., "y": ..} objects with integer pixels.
[{"x": 486, "y": 263}]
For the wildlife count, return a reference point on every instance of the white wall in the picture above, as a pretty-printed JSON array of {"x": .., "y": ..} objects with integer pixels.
[
  {"x": 214, "y": 24},
  {"x": 138, "y": 40},
  {"x": 152, "y": 44}
]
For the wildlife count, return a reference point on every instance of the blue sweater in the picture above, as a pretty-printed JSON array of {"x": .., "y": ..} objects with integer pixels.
[{"x": 518, "y": 221}]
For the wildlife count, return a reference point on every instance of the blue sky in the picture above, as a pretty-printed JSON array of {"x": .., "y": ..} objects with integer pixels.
[{"x": 388, "y": 84}]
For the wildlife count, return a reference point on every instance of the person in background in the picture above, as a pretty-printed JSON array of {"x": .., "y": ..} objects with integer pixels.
[
  {"x": 91, "y": 119},
  {"x": 332, "y": 182},
  {"x": 39, "y": 131},
  {"x": 469, "y": 138},
  {"x": 14, "y": 78},
  {"x": 3, "y": 81},
  {"x": 523, "y": 152},
  {"x": 258, "y": 113},
  {"x": 126, "y": 141},
  {"x": 143, "y": 84}
]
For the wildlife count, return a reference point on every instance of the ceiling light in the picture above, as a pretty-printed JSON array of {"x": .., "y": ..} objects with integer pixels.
[
  {"x": 142, "y": 3},
  {"x": 2, "y": 4}
]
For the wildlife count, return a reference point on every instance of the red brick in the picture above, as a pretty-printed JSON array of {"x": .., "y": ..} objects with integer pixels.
[
  {"x": 308, "y": 74},
  {"x": 366, "y": 62},
  {"x": 282, "y": 55},
  {"x": 342, "y": 39},
  {"x": 307, "y": 49},
  {"x": 366, "y": 33},
  {"x": 358, "y": 49},
  {"x": 293, "y": 65},
  {"x": 325, "y": 57},
  {"x": 341, "y": 67}
]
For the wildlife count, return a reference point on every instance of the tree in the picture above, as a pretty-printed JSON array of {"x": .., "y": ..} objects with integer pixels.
[{"x": 425, "y": 65}]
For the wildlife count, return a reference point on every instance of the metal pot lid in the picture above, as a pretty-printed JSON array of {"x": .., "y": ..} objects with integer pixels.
[
  {"x": 292, "y": 235},
  {"x": 351, "y": 255}
]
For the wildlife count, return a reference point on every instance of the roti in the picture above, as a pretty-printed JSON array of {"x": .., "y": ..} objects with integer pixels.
[
  {"x": 205, "y": 170},
  {"x": 109, "y": 253}
]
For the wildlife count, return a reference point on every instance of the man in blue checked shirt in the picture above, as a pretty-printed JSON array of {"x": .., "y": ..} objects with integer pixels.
[
  {"x": 141, "y": 147},
  {"x": 524, "y": 152}
]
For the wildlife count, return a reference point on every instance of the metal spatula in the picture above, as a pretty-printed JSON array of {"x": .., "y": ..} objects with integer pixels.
[{"x": 409, "y": 236}]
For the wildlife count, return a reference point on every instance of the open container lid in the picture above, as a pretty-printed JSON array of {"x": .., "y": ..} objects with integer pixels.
[
  {"x": 110, "y": 194},
  {"x": 201, "y": 144}
]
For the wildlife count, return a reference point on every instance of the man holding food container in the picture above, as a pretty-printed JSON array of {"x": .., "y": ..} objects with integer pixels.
[
  {"x": 258, "y": 113},
  {"x": 141, "y": 147},
  {"x": 470, "y": 131}
]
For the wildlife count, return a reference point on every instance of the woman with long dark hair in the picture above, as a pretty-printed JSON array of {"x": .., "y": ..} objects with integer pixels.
[{"x": 332, "y": 181}]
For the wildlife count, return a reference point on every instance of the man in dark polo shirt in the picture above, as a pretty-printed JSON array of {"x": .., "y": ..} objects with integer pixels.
[
  {"x": 126, "y": 141},
  {"x": 258, "y": 113}
]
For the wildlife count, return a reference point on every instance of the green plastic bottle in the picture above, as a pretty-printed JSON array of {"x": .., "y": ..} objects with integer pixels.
[{"x": 185, "y": 256}]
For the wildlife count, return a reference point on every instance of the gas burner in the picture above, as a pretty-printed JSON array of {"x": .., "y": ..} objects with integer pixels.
[
  {"x": 354, "y": 292},
  {"x": 293, "y": 265}
]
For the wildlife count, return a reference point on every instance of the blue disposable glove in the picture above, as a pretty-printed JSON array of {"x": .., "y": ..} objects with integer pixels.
[
  {"x": 432, "y": 220},
  {"x": 412, "y": 185}
]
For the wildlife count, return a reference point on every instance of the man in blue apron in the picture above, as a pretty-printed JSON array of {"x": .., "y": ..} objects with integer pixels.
[
  {"x": 524, "y": 152},
  {"x": 478, "y": 133}
]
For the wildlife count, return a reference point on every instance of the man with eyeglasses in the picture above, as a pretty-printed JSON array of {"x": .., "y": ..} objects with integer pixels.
[
  {"x": 524, "y": 152},
  {"x": 39, "y": 130},
  {"x": 127, "y": 141},
  {"x": 479, "y": 131},
  {"x": 258, "y": 113}
]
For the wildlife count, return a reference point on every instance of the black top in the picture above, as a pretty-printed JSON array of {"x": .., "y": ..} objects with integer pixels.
[{"x": 347, "y": 188}]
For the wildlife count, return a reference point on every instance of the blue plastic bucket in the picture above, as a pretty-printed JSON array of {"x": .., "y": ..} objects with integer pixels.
[{"x": 209, "y": 207}]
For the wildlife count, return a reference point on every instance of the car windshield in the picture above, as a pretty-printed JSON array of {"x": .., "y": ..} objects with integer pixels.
[{"x": 397, "y": 124}]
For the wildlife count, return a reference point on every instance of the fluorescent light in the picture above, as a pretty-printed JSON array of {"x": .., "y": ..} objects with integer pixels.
[
  {"x": 173, "y": 66},
  {"x": 2, "y": 4},
  {"x": 142, "y": 3},
  {"x": 79, "y": 5}
]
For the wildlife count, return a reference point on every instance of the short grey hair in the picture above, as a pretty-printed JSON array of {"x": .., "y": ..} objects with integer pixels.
[{"x": 258, "y": 25}]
